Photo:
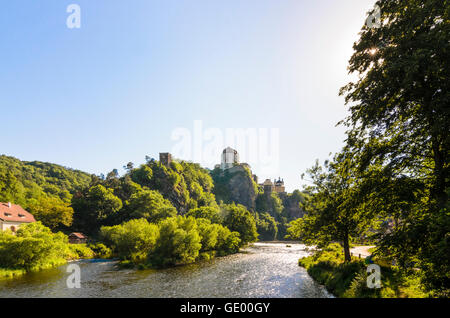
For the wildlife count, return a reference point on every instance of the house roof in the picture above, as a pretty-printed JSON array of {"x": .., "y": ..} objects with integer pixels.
[
  {"x": 78, "y": 235},
  {"x": 15, "y": 213}
]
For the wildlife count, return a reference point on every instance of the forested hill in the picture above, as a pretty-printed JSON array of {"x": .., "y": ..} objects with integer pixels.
[
  {"x": 44, "y": 189},
  {"x": 71, "y": 200}
]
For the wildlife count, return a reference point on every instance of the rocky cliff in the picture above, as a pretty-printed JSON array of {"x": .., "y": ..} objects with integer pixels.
[{"x": 235, "y": 185}]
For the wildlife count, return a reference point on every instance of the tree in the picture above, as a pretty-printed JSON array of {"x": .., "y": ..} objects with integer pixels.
[
  {"x": 399, "y": 119},
  {"x": 227, "y": 242},
  {"x": 239, "y": 219},
  {"x": 34, "y": 246},
  {"x": 208, "y": 233},
  {"x": 150, "y": 205},
  {"x": 51, "y": 211},
  {"x": 206, "y": 212},
  {"x": 334, "y": 210},
  {"x": 11, "y": 190},
  {"x": 179, "y": 242},
  {"x": 132, "y": 240},
  {"x": 266, "y": 227},
  {"x": 94, "y": 208}
]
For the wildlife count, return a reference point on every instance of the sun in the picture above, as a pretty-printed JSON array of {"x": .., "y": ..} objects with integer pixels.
[{"x": 373, "y": 51}]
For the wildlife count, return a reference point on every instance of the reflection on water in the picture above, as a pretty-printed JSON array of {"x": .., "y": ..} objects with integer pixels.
[{"x": 262, "y": 270}]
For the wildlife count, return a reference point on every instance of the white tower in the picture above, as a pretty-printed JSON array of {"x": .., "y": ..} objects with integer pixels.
[{"x": 230, "y": 157}]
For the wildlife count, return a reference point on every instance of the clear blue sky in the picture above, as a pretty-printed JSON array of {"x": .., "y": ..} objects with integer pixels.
[{"x": 114, "y": 90}]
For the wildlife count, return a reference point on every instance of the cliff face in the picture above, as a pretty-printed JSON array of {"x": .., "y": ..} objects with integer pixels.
[{"x": 235, "y": 185}]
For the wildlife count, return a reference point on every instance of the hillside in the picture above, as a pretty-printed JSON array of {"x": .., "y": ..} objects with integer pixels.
[{"x": 44, "y": 189}]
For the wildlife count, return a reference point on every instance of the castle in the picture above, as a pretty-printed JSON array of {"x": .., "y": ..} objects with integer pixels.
[
  {"x": 230, "y": 160},
  {"x": 276, "y": 186},
  {"x": 230, "y": 163}
]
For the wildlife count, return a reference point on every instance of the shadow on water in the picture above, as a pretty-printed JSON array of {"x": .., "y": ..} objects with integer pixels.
[{"x": 262, "y": 270}]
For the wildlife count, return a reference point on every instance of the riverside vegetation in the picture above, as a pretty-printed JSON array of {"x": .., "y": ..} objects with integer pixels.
[
  {"x": 153, "y": 216},
  {"x": 390, "y": 183}
]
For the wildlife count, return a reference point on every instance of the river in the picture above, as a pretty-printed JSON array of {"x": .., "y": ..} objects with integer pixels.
[{"x": 262, "y": 270}]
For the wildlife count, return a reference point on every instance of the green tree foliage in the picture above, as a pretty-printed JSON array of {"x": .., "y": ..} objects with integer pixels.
[
  {"x": 34, "y": 246},
  {"x": 266, "y": 226},
  {"x": 279, "y": 209},
  {"x": 179, "y": 242},
  {"x": 152, "y": 191},
  {"x": 399, "y": 131},
  {"x": 173, "y": 241},
  {"x": 43, "y": 189},
  {"x": 237, "y": 218},
  {"x": 132, "y": 240},
  {"x": 94, "y": 207},
  {"x": 51, "y": 211},
  {"x": 11, "y": 190},
  {"x": 211, "y": 213},
  {"x": 227, "y": 242},
  {"x": 149, "y": 204},
  {"x": 271, "y": 204},
  {"x": 334, "y": 211},
  {"x": 186, "y": 185}
]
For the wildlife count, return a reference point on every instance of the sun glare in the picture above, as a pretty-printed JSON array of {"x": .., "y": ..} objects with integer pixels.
[{"x": 373, "y": 51}]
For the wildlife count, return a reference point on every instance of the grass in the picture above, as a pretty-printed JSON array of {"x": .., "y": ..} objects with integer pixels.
[
  {"x": 8, "y": 273},
  {"x": 348, "y": 280}
]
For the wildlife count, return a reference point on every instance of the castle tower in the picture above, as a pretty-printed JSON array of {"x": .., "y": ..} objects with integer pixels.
[
  {"x": 230, "y": 157},
  {"x": 268, "y": 186},
  {"x": 165, "y": 158},
  {"x": 279, "y": 186}
]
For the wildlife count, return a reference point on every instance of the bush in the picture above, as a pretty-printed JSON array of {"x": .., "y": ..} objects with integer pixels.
[
  {"x": 211, "y": 213},
  {"x": 218, "y": 238},
  {"x": 227, "y": 242},
  {"x": 101, "y": 250},
  {"x": 174, "y": 241},
  {"x": 179, "y": 242},
  {"x": 132, "y": 240},
  {"x": 80, "y": 251},
  {"x": 33, "y": 247}
]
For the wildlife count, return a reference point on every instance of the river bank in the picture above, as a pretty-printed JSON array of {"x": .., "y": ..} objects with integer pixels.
[
  {"x": 349, "y": 280},
  {"x": 262, "y": 270}
]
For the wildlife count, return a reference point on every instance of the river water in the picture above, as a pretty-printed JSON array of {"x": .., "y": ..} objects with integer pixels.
[{"x": 261, "y": 270}]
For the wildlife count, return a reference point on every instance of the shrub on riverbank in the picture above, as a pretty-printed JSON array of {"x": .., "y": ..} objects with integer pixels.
[
  {"x": 100, "y": 250},
  {"x": 32, "y": 248},
  {"x": 132, "y": 240},
  {"x": 327, "y": 267},
  {"x": 77, "y": 251},
  {"x": 174, "y": 241}
]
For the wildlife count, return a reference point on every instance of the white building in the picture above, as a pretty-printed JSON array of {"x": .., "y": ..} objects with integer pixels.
[{"x": 230, "y": 157}]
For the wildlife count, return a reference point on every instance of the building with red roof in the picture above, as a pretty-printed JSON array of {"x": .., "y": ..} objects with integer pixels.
[
  {"x": 77, "y": 238},
  {"x": 12, "y": 216}
]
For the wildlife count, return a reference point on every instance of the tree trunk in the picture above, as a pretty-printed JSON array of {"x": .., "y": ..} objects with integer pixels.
[{"x": 347, "y": 255}]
